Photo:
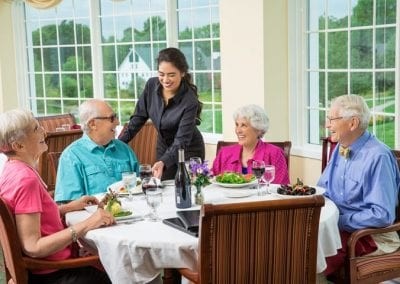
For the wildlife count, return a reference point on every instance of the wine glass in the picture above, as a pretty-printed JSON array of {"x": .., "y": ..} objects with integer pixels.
[
  {"x": 154, "y": 199},
  {"x": 258, "y": 168},
  {"x": 145, "y": 171},
  {"x": 149, "y": 183},
  {"x": 269, "y": 175}
]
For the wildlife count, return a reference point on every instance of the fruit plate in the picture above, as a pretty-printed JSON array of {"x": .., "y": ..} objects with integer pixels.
[
  {"x": 234, "y": 185},
  {"x": 274, "y": 190}
]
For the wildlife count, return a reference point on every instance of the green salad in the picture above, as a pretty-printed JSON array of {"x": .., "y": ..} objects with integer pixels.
[
  {"x": 122, "y": 214},
  {"x": 234, "y": 178}
]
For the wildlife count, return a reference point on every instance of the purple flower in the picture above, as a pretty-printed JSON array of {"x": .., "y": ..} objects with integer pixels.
[{"x": 201, "y": 173}]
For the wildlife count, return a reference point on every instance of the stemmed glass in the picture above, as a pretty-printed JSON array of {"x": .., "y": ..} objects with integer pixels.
[
  {"x": 154, "y": 199},
  {"x": 145, "y": 171},
  {"x": 258, "y": 168},
  {"x": 194, "y": 162},
  {"x": 269, "y": 175},
  {"x": 129, "y": 181}
]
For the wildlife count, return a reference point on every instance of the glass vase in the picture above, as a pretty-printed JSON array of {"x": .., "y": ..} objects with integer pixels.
[{"x": 199, "y": 198}]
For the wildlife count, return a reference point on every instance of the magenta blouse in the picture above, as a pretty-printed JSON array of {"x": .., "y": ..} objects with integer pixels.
[{"x": 228, "y": 159}]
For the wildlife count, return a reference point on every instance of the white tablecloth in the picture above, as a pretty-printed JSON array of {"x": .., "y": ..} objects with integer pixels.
[{"x": 137, "y": 253}]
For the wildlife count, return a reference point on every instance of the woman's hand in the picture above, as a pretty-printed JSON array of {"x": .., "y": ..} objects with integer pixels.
[
  {"x": 98, "y": 219},
  {"x": 80, "y": 203},
  {"x": 158, "y": 169}
]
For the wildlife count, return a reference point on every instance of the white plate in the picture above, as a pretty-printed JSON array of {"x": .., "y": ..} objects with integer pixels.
[
  {"x": 116, "y": 186},
  {"x": 91, "y": 208},
  {"x": 168, "y": 182},
  {"x": 239, "y": 193},
  {"x": 274, "y": 190},
  {"x": 234, "y": 185}
]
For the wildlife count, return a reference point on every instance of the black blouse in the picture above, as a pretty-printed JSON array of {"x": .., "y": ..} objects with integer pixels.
[{"x": 175, "y": 123}]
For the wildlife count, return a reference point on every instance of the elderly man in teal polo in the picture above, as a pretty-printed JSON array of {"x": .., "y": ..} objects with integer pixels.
[{"x": 91, "y": 163}]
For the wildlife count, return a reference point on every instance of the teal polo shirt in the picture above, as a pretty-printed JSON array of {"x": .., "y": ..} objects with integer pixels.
[{"x": 86, "y": 168}]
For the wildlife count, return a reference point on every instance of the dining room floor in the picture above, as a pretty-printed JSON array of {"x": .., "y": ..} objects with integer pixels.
[{"x": 2, "y": 269}]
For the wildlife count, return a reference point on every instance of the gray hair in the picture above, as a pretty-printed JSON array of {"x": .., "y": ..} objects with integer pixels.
[
  {"x": 13, "y": 127},
  {"x": 353, "y": 105},
  {"x": 87, "y": 111},
  {"x": 256, "y": 115}
]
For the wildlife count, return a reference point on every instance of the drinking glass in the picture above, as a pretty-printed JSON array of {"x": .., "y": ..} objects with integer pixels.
[
  {"x": 193, "y": 162},
  {"x": 154, "y": 199},
  {"x": 129, "y": 181},
  {"x": 145, "y": 171},
  {"x": 149, "y": 183},
  {"x": 258, "y": 168},
  {"x": 269, "y": 175}
]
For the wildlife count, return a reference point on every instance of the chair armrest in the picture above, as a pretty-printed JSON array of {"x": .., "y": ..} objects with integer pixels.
[
  {"x": 32, "y": 263},
  {"x": 189, "y": 274},
  {"x": 356, "y": 235}
]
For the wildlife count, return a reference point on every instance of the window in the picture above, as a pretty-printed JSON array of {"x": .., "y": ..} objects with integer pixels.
[
  {"x": 351, "y": 49},
  {"x": 107, "y": 49}
]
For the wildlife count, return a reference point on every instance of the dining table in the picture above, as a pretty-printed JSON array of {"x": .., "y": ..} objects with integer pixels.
[{"x": 136, "y": 250}]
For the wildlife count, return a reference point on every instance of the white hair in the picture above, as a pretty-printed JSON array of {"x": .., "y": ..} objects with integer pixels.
[
  {"x": 256, "y": 115},
  {"x": 87, "y": 111},
  {"x": 13, "y": 127},
  {"x": 353, "y": 105}
]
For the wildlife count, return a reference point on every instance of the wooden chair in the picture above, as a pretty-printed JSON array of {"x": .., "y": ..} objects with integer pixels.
[
  {"x": 17, "y": 264},
  {"x": 53, "y": 158},
  {"x": 327, "y": 148},
  {"x": 56, "y": 142},
  {"x": 144, "y": 143},
  {"x": 51, "y": 122},
  {"x": 271, "y": 241},
  {"x": 285, "y": 146},
  {"x": 373, "y": 269}
]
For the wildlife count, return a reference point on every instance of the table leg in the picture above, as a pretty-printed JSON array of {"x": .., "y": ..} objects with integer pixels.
[{"x": 171, "y": 276}]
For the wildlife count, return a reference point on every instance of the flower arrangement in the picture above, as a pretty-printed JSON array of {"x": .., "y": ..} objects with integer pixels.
[{"x": 200, "y": 173}]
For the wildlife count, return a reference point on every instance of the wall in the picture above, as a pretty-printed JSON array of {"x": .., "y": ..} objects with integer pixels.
[
  {"x": 8, "y": 81},
  {"x": 254, "y": 62}
]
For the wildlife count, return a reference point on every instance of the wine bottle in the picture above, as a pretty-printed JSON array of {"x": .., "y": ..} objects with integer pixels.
[{"x": 183, "y": 192}]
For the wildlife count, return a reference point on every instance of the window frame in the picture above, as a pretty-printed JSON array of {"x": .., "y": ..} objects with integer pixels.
[
  {"x": 97, "y": 71},
  {"x": 298, "y": 80}
]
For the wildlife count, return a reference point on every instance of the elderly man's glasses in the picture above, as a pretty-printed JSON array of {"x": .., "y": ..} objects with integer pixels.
[
  {"x": 111, "y": 118},
  {"x": 330, "y": 119}
]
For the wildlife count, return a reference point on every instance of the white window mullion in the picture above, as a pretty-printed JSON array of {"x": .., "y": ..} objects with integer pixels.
[
  {"x": 97, "y": 62},
  {"x": 172, "y": 23}
]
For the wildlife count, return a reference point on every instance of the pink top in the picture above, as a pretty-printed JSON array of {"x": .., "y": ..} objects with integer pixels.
[
  {"x": 229, "y": 160},
  {"x": 25, "y": 193}
]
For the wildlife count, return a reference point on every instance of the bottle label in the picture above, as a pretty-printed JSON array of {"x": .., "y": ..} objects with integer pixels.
[{"x": 178, "y": 200}]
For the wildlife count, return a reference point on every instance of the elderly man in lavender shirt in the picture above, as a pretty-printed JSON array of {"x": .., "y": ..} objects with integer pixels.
[{"x": 362, "y": 178}]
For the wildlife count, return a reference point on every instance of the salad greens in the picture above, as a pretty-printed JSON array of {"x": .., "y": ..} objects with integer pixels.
[
  {"x": 234, "y": 178},
  {"x": 122, "y": 213}
]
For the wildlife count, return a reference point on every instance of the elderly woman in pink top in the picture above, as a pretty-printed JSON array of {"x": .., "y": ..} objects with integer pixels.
[{"x": 251, "y": 123}]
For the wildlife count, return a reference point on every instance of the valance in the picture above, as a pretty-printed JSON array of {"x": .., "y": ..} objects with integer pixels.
[{"x": 43, "y": 4}]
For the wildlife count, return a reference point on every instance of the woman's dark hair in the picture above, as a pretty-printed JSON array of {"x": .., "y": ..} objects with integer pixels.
[{"x": 177, "y": 58}]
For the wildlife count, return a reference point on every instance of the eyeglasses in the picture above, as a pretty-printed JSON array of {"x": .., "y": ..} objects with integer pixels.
[
  {"x": 111, "y": 118},
  {"x": 333, "y": 118}
]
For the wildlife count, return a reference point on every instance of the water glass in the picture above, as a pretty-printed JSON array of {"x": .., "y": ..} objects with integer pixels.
[
  {"x": 154, "y": 199},
  {"x": 129, "y": 181}
]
